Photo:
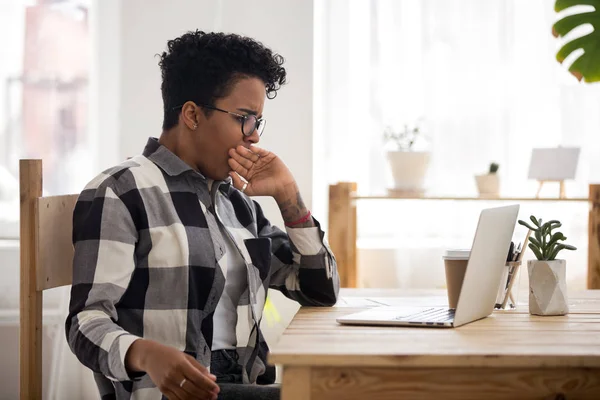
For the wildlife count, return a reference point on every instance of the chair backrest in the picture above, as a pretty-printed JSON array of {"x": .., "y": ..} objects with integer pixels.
[{"x": 46, "y": 262}]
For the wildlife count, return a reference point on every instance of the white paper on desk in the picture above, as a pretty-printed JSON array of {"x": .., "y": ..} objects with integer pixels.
[{"x": 554, "y": 164}]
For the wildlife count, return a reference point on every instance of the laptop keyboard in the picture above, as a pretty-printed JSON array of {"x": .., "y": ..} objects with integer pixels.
[{"x": 429, "y": 315}]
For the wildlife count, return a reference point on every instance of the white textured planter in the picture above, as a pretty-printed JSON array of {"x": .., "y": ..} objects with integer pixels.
[
  {"x": 547, "y": 287},
  {"x": 488, "y": 184},
  {"x": 409, "y": 169}
]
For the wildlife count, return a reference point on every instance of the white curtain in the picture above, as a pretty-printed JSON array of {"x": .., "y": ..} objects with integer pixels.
[{"x": 482, "y": 75}]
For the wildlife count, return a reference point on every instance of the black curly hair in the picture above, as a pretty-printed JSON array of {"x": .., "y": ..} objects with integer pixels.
[{"x": 202, "y": 67}]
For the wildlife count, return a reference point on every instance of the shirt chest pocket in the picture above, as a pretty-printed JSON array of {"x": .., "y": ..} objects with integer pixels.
[{"x": 180, "y": 246}]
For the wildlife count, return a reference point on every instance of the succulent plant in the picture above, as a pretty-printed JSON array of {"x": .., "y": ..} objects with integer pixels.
[
  {"x": 545, "y": 244},
  {"x": 404, "y": 139},
  {"x": 494, "y": 167}
]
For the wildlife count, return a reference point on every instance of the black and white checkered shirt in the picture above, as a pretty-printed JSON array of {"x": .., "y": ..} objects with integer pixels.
[{"x": 147, "y": 253}]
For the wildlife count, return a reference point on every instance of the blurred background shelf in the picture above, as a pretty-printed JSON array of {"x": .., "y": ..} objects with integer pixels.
[
  {"x": 399, "y": 196},
  {"x": 343, "y": 224}
]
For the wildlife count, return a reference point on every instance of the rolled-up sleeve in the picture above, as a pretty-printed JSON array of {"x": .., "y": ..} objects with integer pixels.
[{"x": 104, "y": 238}]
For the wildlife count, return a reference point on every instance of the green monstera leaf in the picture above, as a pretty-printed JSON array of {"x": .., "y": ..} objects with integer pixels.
[{"x": 587, "y": 66}]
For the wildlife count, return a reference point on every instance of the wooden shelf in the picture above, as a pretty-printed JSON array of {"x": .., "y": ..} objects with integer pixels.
[
  {"x": 426, "y": 197},
  {"x": 343, "y": 199}
]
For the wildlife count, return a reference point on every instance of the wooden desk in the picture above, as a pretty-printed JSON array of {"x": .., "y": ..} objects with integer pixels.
[{"x": 509, "y": 355}]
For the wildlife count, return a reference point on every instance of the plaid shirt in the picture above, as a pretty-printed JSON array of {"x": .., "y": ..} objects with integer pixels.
[{"x": 146, "y": 265}]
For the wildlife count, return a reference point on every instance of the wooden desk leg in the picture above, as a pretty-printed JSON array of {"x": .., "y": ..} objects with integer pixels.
[
  {"x": 593, "y": 281},
  {"x": 296, "y": 383}
]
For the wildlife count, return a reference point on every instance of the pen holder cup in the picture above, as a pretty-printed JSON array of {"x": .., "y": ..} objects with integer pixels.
[{"x": 508, "y": 291}]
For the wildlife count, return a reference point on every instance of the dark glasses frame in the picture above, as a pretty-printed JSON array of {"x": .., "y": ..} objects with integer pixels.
[{"x": 259, "y": 123}]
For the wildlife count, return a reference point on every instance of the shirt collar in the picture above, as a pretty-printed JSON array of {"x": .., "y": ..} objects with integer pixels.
[{"x": 172, "y": 164}]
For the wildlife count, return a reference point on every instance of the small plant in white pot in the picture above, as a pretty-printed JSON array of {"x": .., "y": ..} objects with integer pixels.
[
  {"x": 408, "y": 161},
  {"x": 547, "y": 275},
  {"x": 488, "y": 185}
]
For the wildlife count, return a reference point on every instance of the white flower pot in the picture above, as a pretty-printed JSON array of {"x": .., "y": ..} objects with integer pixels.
[
  {"x": 547, "y": 287},
  {"x": 488, "y": 184},
  {"x": 409, "y": 169}
]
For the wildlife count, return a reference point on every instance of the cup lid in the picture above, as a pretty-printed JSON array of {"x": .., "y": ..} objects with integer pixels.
[{"x": 457, "y": 254}]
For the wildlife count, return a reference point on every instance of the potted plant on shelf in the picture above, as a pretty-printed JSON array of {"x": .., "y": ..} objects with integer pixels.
[
  {"x": 488, "y": 184},
  {"x": 409, "y": 165},
  {"x": 547, "y": 275}
]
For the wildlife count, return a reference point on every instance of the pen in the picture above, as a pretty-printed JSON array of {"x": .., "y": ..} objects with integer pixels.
[
  {"x": 511, "y": 250},
  {"x": 517, "y": 253}
]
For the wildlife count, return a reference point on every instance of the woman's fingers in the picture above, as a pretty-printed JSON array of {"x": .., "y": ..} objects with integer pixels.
[
  {"x": 238, "y": 182},
  {"x": 170, "y": 395},
  {"x": 258, "y": 151},
  {"x": 244, "y": 161},
  {"x": 201, "y": 367},
  {"x": 237, "y": 167},
  {"x": 199, "y": 383},
  {"x": 191, "y": 391},
  {"x": 247, "y": 154}
]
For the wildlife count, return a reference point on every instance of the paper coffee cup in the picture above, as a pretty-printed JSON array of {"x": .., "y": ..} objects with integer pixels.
[{"x": 455, "y": 264}]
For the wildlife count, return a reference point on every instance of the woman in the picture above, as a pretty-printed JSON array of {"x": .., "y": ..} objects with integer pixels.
[{"x": 173, "y": 259}]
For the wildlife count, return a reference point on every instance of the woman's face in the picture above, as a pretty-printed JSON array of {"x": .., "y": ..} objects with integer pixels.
[{"x": 220, "y": 131}]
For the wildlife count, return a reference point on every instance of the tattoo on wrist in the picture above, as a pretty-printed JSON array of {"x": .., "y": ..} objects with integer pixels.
[{"x": 293, "y": 209}]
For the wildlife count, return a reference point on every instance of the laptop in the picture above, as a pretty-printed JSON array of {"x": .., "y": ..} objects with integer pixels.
[{"x": 480, "y": 285}]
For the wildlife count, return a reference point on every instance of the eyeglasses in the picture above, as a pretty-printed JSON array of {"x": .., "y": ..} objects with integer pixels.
[{"x": 249, "y": 123}]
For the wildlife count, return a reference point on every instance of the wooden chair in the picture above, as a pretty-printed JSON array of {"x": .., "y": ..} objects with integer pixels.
[{"x": 46, "y": 262}]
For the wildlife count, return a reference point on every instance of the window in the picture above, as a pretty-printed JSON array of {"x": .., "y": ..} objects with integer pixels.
[
  {"x": 43, "y": 101},
  {"x": 484, "y": 79}
]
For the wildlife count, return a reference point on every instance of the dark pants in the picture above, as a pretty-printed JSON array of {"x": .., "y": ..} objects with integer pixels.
[{"x": 224, "y": 365}]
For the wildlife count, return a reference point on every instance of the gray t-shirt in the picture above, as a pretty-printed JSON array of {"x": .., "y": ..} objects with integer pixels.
[{"x": 236, "y": 282}]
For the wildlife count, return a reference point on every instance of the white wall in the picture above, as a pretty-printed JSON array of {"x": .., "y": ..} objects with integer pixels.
[{"x": 105, "y": 82}]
